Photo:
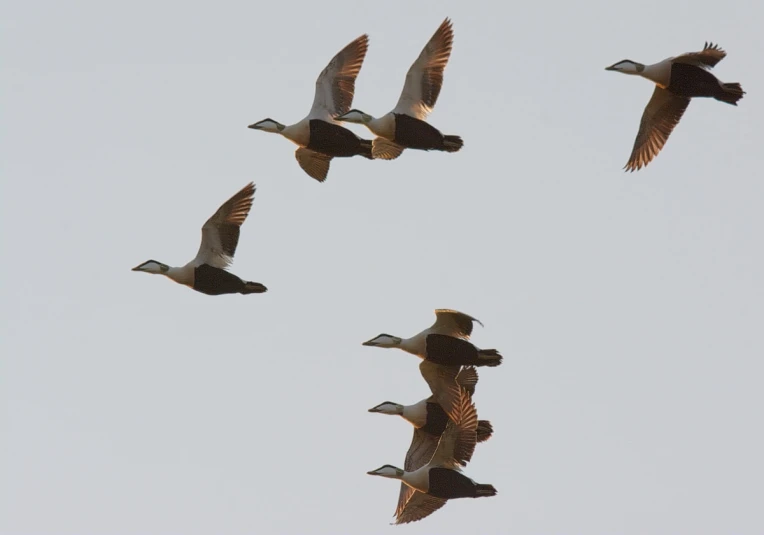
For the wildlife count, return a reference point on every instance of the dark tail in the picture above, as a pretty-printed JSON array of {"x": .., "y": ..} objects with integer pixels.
[
  {"x": 484, "y": 490},
  {"x": 488, "y": 357},
  {"x": 730, "y": 93},
  {"x": 364, "y": 149},
  {"x": 484, "y": 430},
  {"x": 253, "y": 288},
  {"x": 452, "y": 143}
]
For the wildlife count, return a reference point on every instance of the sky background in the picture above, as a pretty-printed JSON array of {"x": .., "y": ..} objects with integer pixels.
[{"x": 629, "y": 307}]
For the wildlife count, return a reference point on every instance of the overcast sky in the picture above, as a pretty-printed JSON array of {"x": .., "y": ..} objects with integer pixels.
[{"x": 629, "y": 307}]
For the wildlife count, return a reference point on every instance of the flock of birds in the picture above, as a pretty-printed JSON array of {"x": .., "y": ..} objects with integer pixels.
[{"x": 446, "y": 428}]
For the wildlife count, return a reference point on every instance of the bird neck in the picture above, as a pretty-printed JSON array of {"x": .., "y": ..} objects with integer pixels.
[
  {"x": 181, "y": 275},
  {"x": 416, "y": 414},
  {"x": 298, "y": 133},
  {"x": 382, "y": 126},
  {"x": 660, "y": 73}
]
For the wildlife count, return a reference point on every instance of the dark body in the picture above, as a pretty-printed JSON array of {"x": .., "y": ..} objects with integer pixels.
[
  {"x": 337, "y": 141},
  {"x": 691, "y": 81},
  {"x": 211, "y": 280},
  {"x": 449, "y": 484},
  {"x": 414, "y": 133},
  {"x": 449, "y": 351}
]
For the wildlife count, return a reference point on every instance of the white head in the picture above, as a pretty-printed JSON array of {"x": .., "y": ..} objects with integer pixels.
[
  {"x": 388, "y": 407},
  {"x": 384, "y": 340},
  {"x": 268, "y": 125},
  {"x": 387, "y": 470},
  {"x": 627, "y": 67},
  {"x": 355, "y": 116},
  {"x": 152, "y": 266}
]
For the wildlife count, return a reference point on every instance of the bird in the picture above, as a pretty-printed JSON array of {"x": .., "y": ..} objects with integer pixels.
[
  {"x": 447, "y": 321},
  {"x": 429, "y": 421},
  {"x": 207, "y": 273},
  {"x": 677, "y": 80},
  {"x": 440, "y": 479},
  {"x": 318, "y": 136},
  {"x": 444, "y": 349},
  {"x": 405, "y": 126}
]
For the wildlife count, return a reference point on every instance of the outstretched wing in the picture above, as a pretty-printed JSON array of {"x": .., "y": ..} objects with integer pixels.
[
  {"x": 425, "y": 76},
  {"x": 453, "y": 323},
  {"x": 420, "y": 452},
  {"x": 335, "y": 85},
  {"x": 661, "y": 115},
  {"x": 419, "y": 506},
  {"x": 457, "y": 443},
  {"x": 706, "y": 58},
  {"x": 220, "y": 234},
  {"x": 315, "y": 164}
]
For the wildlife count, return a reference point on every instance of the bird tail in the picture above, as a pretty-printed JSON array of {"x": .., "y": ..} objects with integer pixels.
[
  {"x": 730, "y": 93},
  {"x": 253, "y": 288},
  {"x": 488, "y": 357},
  {"x": 365, "y": 148},
  {"x": 452, "y": 143},
  {"x": 484, "y": 430},
  {"x": 484, "y": 490}
]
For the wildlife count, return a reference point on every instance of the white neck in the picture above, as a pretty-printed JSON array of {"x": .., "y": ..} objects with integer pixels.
[
  {"x": 660, "y": 72},
  {"x": 416, "y": 414},
  {"x": 383, "y": 126},
  {"x": 416, "y": 345},
  {"x": 298, "y": 133},
  {"x": 182, "y": 275},
  {"x": 418, "y": 479}
]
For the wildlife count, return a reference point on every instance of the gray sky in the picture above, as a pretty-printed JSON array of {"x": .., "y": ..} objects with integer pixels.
[{"x": 629, "y": 307}]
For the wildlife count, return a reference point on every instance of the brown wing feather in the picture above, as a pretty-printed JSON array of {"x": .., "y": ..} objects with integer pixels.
[
  {"x": 467, "y": 436},
  {"x": 341, "y": 72},
  {"x": 419, "y": 506},
  {"x": 315, "y": 164},
  {"x": 708, "y": 57},
  {"x": 439, "y": 51},
  {"x": 442, "y": 382},
  {"x": 467, "y": 379},
  {"x": 420, "y": 452},
  {"x": 220, "y": 234},
  {"x": 454, "y": 323},
  {"x": 661, "y": 115}
]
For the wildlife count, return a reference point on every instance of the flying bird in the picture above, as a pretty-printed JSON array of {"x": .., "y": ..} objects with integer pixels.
[
  {"x": 677, "y": 80},
  {"x": 405, "y": 126},
  {"x": 319, "y": 137},
  {"x": 207, "y": 273}
]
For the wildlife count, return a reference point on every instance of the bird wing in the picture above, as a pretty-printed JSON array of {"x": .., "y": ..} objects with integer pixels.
[
  {"x": 442, "y": 382},
  {"x": 706, "y": 58},
  {"x": 418, "y": 506},
  {"x": 457, "y": 443},
  {"x": 453, "y": 323},
  {"x": 420, "y": 452},
  {"x": 661, "y": 115},
  {"x": 220, "y": 234},
  {"x": 335, "y": 85},
  {"x": 425, "y": 76},
  {"x": 315, "y": 164},
  {"x": 467, "y": 379}
]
